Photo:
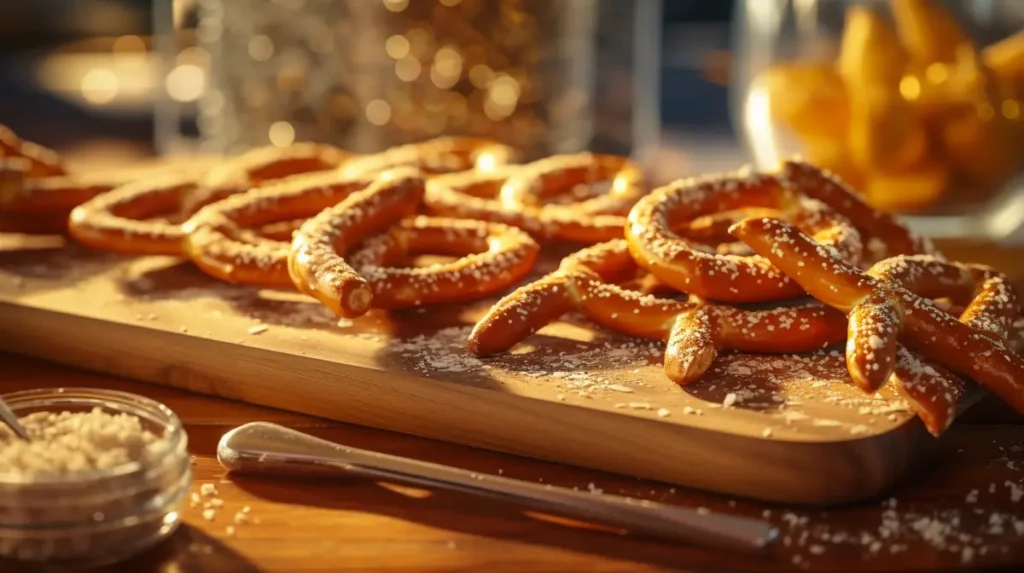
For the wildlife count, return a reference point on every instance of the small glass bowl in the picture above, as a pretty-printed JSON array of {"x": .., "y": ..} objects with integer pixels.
[{"x": 98, "y": 517}]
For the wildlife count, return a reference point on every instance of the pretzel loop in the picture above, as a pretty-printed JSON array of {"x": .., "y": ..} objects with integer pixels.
[
  {"x": 694, "y": 268},
  {"x": 223, "y": 241}
]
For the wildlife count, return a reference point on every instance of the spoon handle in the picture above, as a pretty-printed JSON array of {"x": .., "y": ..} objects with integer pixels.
[
  {"x": 262, "y": 447},
  {"x": 7, "y": 416}
]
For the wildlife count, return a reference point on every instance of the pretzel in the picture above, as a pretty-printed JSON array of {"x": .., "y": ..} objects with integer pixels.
[
  {"x": 696, "y": 269},
  {"x": 694, "y": 331},
  {"x": 493, "y": 257},
  {"x": 887, "y": 231},
  {"x": 143, "y": 216},
  {"x": 40, "y": 161},
  {"x": 259, "y": 166},
  {"x": 436, "y": 156},
  {"x": 126, "y": 219},
  {"x": 223, "y": 241},
  {"x": 516, "y": 194},
  {"x": 884, "y": 305},
  {"x": 318, "y": 268}
]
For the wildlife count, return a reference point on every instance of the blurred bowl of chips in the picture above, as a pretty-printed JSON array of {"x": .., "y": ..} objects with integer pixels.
[{"x": 917, "y": 104}]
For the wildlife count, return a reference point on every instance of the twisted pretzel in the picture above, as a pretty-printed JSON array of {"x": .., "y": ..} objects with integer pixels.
[
  {"x": 517, "y": 195},
  {"x": 143, "y": 217},
  {"x": 694, "y": 331},
  {"x": 221, "y": 239},
  {"x": 259, "y": 166},
  {"x": 696, "y": 269},
  {"x": 436, "y": 156},
  {"x": 35, "y": 160},
  {"x": 128, "y": 218},
  {"x": 884, "y": 306},
  {"x": 500, "y": 255}
]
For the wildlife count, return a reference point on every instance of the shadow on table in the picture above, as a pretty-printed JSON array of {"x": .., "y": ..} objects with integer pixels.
[
  {"x": 469, "y": 515},
  {"x": 189, "y": 549}
]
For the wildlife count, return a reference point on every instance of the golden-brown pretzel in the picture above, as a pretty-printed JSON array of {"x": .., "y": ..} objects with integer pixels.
[
  {"x": 221, "y": 239},
  {"x": 128, "y": 219},
  {"x": 696, "y": 269},
  {"x": 259, "y": 166},
  {"x": 144, "y": 216},
  {"x": 518, "y": 195},
  {"x": 318, "y": 266},
  {"x": 39, "y": 161},
  {"x": 883, "y": 309}
]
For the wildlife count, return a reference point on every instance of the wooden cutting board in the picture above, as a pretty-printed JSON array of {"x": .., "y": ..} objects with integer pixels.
[{"x": 788, "y": 429}]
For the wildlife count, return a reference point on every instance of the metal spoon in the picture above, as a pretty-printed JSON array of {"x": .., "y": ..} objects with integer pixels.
[
  {"x": 262, "y": 447},
  {"x": 8, "y": 417}
]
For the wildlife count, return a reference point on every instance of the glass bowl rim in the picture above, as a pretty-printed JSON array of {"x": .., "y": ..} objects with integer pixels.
[{"x": 111, "y": 400}]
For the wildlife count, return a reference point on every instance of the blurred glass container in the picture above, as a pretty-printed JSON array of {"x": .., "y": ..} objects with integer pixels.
[
  {"x": 546, "y": 76},
  {"x": 916, "y": 103}
]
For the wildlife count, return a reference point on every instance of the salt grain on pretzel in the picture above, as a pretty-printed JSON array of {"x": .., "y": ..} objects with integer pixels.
[
  {"x": 259, "y": 166},
  {"x": 245, "y": 238},
  {"x": 883, "y": 308},
  {"x": 521, "y": 195},
  {"x": 436, "y": 156},
  {"x": 492, "y": 256},
  {"x": 698, "y": 269}
]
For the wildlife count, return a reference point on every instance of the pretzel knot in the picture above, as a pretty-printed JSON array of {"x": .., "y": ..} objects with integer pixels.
[
  {"x": 697, "y": 269},
  {"x": 888, "y": 304},
  {"x": 30, "y": 159},
  {"x": 325, "y": 263},
  {"x": 694, "y": 331},
  {"x": 543, "y": 197},
  {"x": 245, "y": 238},
  {"x": 436, "y": 156},
  {"x": 144, "y": 216}
]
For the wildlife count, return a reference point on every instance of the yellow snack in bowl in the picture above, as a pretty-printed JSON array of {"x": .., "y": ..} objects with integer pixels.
[
  {"x": 908, "y": 191},
  {"x": 1006, "y": 57},
  {"x": 982, "y": 144},
  {"x": 928, "y": 30},
  {"x": 808, "y": 98},
  {"x": 870, "y": 54},
  {"x": 885, "y": 133}
]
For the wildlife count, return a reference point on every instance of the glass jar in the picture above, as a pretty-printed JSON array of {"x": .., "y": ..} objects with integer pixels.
[
  {"x": 98, "y": 517},
  {"x": 915, "y": 103},
  {"x": 545, "y": 76}
]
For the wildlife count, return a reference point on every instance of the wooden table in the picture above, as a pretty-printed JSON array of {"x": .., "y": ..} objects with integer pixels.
[{"x": 362, "y": 526}]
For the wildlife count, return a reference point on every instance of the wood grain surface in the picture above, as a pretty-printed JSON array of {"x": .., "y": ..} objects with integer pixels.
[
  {"x": 790, "y": 429},
  {"x": 940, "y": 521}
]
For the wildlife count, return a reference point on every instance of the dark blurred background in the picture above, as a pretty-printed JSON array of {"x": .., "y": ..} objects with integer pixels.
[{"x": 51, "y": 91}]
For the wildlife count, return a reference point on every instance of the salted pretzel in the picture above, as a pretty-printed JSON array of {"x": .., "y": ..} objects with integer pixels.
[
  {"x": 694, "y": 331},
  {"x": 145, "y": 216},
  {"x": 885, "y": 305},
  {"x": 245, "y": 238},
  {"x": 521, "y": 195},
  {"x": 435, "y": 156},
  {"x": 493, "y": 256},
  {"x": 259, "y": 166},
  {"x": 696, "y": 269},
  {"x": 884, "y": 233}
]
